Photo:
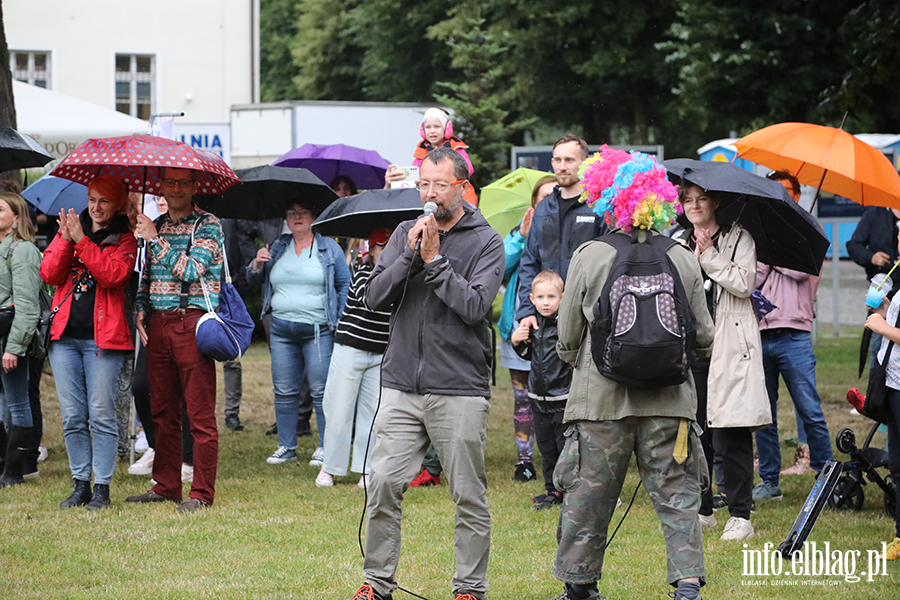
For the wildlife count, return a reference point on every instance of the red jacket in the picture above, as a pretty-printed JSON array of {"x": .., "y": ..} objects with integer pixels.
[{"x": 112, "y": 265}]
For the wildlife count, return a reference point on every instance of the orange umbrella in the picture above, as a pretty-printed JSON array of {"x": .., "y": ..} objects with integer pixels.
[{"x": 828, "y": 158}]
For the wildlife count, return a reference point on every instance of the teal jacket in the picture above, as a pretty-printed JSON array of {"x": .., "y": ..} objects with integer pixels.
[{"x": 20, "y": 284}]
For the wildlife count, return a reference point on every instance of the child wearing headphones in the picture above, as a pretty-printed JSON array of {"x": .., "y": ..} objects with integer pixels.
[{"x": 437, "y": 132}]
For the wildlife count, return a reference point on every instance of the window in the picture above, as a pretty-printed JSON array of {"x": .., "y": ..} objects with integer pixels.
[
  {"x": 31, "y": 67},
  {"x": 134, "y": 85}
]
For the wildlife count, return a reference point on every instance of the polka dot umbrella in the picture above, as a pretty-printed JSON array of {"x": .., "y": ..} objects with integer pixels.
[{"x": 137, "y": 159}]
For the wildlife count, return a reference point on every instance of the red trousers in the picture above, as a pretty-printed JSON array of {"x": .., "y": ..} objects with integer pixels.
[{"x": 180, "y": 373}]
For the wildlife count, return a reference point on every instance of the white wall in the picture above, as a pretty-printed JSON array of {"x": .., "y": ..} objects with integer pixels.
[{"x": 203, "y": 48}]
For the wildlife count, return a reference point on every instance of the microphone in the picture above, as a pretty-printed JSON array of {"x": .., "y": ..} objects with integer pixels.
[{"x": 429, "y": 209}]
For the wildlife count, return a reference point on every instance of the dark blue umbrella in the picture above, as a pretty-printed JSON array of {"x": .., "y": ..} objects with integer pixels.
[
  {"x": 785, "y": 234},
  {"x": 49, "y": 194}
]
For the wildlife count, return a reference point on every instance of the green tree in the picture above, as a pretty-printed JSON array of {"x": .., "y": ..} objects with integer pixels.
[
  {"x": 278, "y": 26},
  {"x": 746, "y": 63},
  {"x": 327, "y": 51},
  {"x": 479, "y": 99},
  {"x": 869, "y": 88},
  {"x": 400, "y": 63}
]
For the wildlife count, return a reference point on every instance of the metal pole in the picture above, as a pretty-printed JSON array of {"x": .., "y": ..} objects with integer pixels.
[{"x": 835, "y": 276}]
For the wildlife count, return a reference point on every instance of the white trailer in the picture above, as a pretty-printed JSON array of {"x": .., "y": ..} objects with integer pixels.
[{"x": 260, "y": 133}]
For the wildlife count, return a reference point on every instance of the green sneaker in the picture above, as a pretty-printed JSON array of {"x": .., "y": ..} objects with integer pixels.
[{"x": 767, "y": 491}]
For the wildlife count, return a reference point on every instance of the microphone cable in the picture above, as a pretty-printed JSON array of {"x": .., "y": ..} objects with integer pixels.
[{"x": 362, "y": 517}]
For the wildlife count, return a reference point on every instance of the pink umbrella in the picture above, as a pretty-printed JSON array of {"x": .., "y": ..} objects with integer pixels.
[{"x": 136, "y": 160}]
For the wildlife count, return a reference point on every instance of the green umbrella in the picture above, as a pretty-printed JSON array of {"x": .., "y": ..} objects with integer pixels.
[{"x": 504, "y": 202}]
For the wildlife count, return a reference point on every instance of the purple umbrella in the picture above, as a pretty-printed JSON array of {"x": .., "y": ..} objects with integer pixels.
[{"x": 365, "y": 167}]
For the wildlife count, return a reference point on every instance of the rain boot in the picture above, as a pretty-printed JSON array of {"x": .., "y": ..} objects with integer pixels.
[
  {"x": 100, "y": 499},
  {"x": 80, "y": 496},
  {"x": 16, "y": 448}
]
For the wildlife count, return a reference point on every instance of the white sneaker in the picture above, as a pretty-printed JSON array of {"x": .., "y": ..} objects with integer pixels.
[
  {"x": 708, "y": 520},
  {"x": 324, "y": 479},
  {"x": 143, "y": 465},
  {"x": 42, "y": 453},
  {"x": 140, "y": 443},
  {"x": 363, "y": 482},
  {"x": 318, "y": 457},
  {"x": 187, "y": 473},
  {"x": 738, "y": 529}
]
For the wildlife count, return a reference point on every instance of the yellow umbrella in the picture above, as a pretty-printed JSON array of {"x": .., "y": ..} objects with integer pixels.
[{"x": 504, "y": 202}]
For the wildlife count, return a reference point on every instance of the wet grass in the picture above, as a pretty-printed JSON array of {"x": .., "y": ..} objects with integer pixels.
[{"x": 273, "y": 534}]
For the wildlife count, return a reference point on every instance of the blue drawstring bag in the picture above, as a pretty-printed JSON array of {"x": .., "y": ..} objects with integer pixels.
[{"x": 223, "y": 334}]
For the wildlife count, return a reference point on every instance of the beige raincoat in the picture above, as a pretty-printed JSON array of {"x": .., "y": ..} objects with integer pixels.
[{"x": 737, "y": 385}]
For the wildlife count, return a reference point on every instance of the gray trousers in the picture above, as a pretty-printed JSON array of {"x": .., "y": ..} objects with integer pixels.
[
  {"x": 590, "y": 472},
  {"x": 234, "y": 387},
  {"x": 457, "y": 426}
]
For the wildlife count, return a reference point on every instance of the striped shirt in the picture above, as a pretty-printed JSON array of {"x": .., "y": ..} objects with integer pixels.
[
  {"x": 168, "y": 265},
  {"x": 360, "y": 327}
]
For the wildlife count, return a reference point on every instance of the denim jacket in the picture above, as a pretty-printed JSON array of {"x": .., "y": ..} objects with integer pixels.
[{"x": 337, "y": 275}]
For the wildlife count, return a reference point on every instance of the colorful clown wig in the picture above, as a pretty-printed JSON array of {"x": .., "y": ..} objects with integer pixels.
[{"x": 629, "y": 190}]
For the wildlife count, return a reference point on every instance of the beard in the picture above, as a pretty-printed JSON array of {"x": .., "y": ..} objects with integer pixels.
[{"x": 448, "y": 211}]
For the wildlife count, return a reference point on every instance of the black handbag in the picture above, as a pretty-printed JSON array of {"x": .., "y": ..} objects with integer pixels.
[
  {"x": 875, "y": 402},
  {"x": 7, "y": 314}
]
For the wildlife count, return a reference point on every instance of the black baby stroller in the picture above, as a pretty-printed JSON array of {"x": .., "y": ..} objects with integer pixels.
[{"x": 864, "y": 463}]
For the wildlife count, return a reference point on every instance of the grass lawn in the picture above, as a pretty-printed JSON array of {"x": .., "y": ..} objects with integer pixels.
[{"x": 273, "y": 534}]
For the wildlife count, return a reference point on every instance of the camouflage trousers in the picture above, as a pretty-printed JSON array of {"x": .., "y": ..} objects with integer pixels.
[{"x": 591, "y": 471}]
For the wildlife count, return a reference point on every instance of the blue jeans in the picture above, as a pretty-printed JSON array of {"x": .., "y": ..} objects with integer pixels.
[
  {"x": 295, "y": 347},
  {"x": 352, "y": 389},
  {"x": 86, "y": 384},
  {"x": 789, "y": 352},
  {"x": 15, "y": 406}
]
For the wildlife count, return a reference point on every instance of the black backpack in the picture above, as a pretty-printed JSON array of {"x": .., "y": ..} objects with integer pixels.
[{"x": 644, "y": 329}]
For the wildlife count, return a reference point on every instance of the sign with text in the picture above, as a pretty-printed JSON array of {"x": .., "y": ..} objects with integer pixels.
[{"x": 214, "y": 137}]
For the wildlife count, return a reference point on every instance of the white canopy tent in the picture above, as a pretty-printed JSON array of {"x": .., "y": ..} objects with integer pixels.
[{"x": 60, "y": 123}]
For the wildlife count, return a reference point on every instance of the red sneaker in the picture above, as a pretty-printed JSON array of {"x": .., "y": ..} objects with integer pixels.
[
  {"x": 425, "y": 479},
  {"x": 856, "y": 399}
]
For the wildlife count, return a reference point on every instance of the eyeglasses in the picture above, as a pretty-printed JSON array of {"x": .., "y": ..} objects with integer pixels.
[
  {"x": 180, "y": 182},
  {"x": 438, "y": 186},
  {"x": 299, "y": 213}
]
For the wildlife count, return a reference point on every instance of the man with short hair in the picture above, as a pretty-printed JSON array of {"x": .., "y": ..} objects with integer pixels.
[
  {"x": 438, "y": 276},
  {"x": 169, "y": 303},
  {"x": 560, "y": 224},
  {"x": 787, "y": 350}
]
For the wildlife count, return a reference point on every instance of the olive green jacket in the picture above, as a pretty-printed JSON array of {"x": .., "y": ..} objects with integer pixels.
[
  {"x": 593, "y": 397},
  {"x": 21, "y": 287}
]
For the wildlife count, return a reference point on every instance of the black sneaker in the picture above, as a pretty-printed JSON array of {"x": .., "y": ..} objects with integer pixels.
[
  {"x": 547, "y": 500},
  {"x": 524, "y": 471},
  {"x": 719, "y": 501},
  {"x": 233, "y": 422},
  {"x": 274, "y": 430}
]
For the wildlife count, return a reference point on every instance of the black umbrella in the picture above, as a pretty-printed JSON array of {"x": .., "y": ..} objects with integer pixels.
[
  {"x": 267, "y": 192},
  {"x": 786, "y": 235},
  {"x": 19, "y": 151},
  {"x": 356, "y": 216}
]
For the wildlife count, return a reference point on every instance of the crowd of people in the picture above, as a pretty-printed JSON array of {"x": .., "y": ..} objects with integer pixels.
[{"x": 392, "y": 344}]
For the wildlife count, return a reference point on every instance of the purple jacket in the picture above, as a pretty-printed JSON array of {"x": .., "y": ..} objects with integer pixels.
[{"x": 793, "y": 292}]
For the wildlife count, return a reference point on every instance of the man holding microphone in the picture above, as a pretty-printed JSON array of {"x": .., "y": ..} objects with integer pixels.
[{"x": 438, "y": 276}]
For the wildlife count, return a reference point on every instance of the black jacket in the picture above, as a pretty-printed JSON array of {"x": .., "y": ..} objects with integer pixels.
[
  {"x": 550, "y": 377},
  {"x": 440, "y": 333},
  {"x": 558, "y": 228},
  {"x": 876, "y": 232}
]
